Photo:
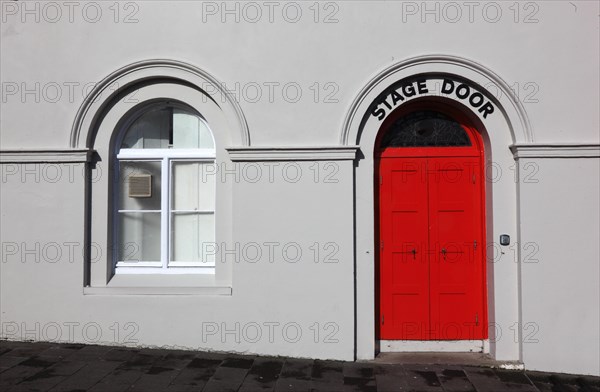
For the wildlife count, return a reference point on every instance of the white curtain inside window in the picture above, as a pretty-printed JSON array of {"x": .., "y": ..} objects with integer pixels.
[{"x": 193, "y": 204}]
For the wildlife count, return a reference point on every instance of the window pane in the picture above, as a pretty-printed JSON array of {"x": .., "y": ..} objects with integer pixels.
[
  {"x": 193, "y": 186},
  {"x": 150, "y": 130},
  {"x": 425, "y": 128},
  {"x": 139, "y": 236},
  {"x": 135, "y": 185},
  {"x": 168, "y": 127},
  {"x": 193, "y": 237},
  {"x": 190, "y": 131}
]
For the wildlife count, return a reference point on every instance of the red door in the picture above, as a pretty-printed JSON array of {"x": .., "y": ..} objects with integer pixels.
[{"x": 431, "y": 232}]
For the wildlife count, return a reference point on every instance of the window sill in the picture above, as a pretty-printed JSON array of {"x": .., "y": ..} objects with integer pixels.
[{"x": 190, "y": 284}]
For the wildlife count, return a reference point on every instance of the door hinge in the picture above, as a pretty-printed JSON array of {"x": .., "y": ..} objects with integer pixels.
[
  {"x": 473, "y": 178},
  {"x": 380, "y": 180},
  {"x": 476, "y": 318},
  {"x": 475, "y": 244},
  {"x": 382, "y": 319},
  {"x": 382, "y": 245}
]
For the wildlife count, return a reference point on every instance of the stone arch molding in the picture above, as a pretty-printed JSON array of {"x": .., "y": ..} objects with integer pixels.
[
  {"x": 510, "y": 107},
  {"x": 141, "y": 73}
]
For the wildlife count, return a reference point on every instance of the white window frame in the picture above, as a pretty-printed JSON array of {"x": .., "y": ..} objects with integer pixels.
[
  {"x": 100, "y": 125},
  {"x": 166, "y": 157}
]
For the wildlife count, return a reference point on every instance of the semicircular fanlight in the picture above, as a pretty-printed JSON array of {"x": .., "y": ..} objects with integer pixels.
[{"x": 425, "y": 128}]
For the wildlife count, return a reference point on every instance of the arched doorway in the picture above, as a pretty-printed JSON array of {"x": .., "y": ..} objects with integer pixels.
[{"x": 430, "y": 223}]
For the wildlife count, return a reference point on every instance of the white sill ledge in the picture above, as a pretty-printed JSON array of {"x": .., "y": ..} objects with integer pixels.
[
  {"x": 216, "y": 290},
  {"x": 188, "y": 284}
]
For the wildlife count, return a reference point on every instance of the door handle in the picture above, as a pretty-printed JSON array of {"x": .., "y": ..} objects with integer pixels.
[
  {"x": 414, "y": 252},
  {"x": 444, "y": 253}
]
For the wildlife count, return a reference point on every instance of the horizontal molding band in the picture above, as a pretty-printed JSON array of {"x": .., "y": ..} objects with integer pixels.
[
  {"x": 555, "y": 150},
  {"x": 157, "y": 290},
  {"x": 46, "y": 156},
  {"x": 334, "y": 153}
]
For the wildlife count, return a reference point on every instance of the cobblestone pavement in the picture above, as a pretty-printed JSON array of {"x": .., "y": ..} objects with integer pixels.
[{"x": 74, "y": 367}]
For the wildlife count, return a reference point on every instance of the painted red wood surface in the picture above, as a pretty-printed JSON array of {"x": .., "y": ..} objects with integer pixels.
[{"x": 432, "y": 243}]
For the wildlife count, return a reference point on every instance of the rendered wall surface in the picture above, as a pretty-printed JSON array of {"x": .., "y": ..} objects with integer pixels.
[
  {"x": 282, "y": 303},
  {"x": 296, "y": 68},
  {"x": 551, "y": 46},
  {"x": 560, "y": 227}
]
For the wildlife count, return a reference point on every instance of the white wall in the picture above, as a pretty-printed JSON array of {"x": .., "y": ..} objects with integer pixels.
[
  {"x": 555, "y": 54},
  {"x": 283, "y": 303},
  {"x": 548, "y": 51},
  {"x": 560, "y": 227}
]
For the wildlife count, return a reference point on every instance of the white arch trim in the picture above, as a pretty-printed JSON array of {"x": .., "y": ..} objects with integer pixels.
[
  {"x": 147, "y": 71},
  {"x": 478, "y": 74}
]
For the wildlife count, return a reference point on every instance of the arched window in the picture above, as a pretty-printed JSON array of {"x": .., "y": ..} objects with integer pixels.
[{"x": 164, "y": 220}]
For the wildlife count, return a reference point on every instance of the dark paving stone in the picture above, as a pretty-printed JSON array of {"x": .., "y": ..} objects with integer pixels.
[
  {"x": 87, "y": 376},
  {"x": 512, "y": 377},
  {"x": 295, "y": 375},
  {"x": 39, "y": 382},
  {"x": 423, "y": 380},
  {"x": 65, "y": 368},
  {"x": 17, "y": 374},
  {"x": 390, "y": 378},
  {"x": 90, "y": 353},
  {"x": 61, "y": 351},
  {"x": 42, "y": 367},
  {"x": 24, "y": 349},
  {"x": 390, "y": 383},
  {"x": 226, "y": 379},
  {"x": 183, "y": 388},
  {"x": 487, "y": 380},
  {"x": 358, "y": 370},
  {"x": 359, "y": 377},
  {"x": 8, "y": 361},
  {"x": 360, "y": 385},
  {"x": 564, "y": 382},
  {"x": 156, "y": 379},
  {"x": 300, "y": 369},
  {"x": 197, "y": 372},
  {"x": 454, "y": 380},
  {"x": 40, "y": 362},
  {"x": 328, "y": 376},
  {"x": 174, "y": 361},
  {"x": 120, "y": 354},
  {"x": 328, "y": 371},
  {"x": 181, "y": 356},
  {"x": 238, "y": 363},
  {"x": 293, "y": 385},
  {"x": 262, "y": 375},
  {"x": 118, "y": 380},
  {"x": 140, "y": 361}
]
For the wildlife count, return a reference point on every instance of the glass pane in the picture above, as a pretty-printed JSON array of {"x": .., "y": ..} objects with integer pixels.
[
  {"x": 139, "y": 236},
  {"x": 168, "y": 127},
  {"x": 425, "y": 128},
  {"x": 135, "y": 185},
  {"x": 190, "y": 131},
  {"x": 193, "y": 237},
  {"x": 193, "y": 186},
  {"x": 150, "y": 130}
]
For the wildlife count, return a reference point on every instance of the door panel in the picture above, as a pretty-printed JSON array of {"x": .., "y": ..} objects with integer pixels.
[
  {"x": 455, "y": 228},
  {"x": 405, "y": 270},
  {"x": 431, "y": 258}
]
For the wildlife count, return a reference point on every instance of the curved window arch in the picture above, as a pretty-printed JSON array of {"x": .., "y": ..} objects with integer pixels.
[{"x": 164, "y": 220}]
